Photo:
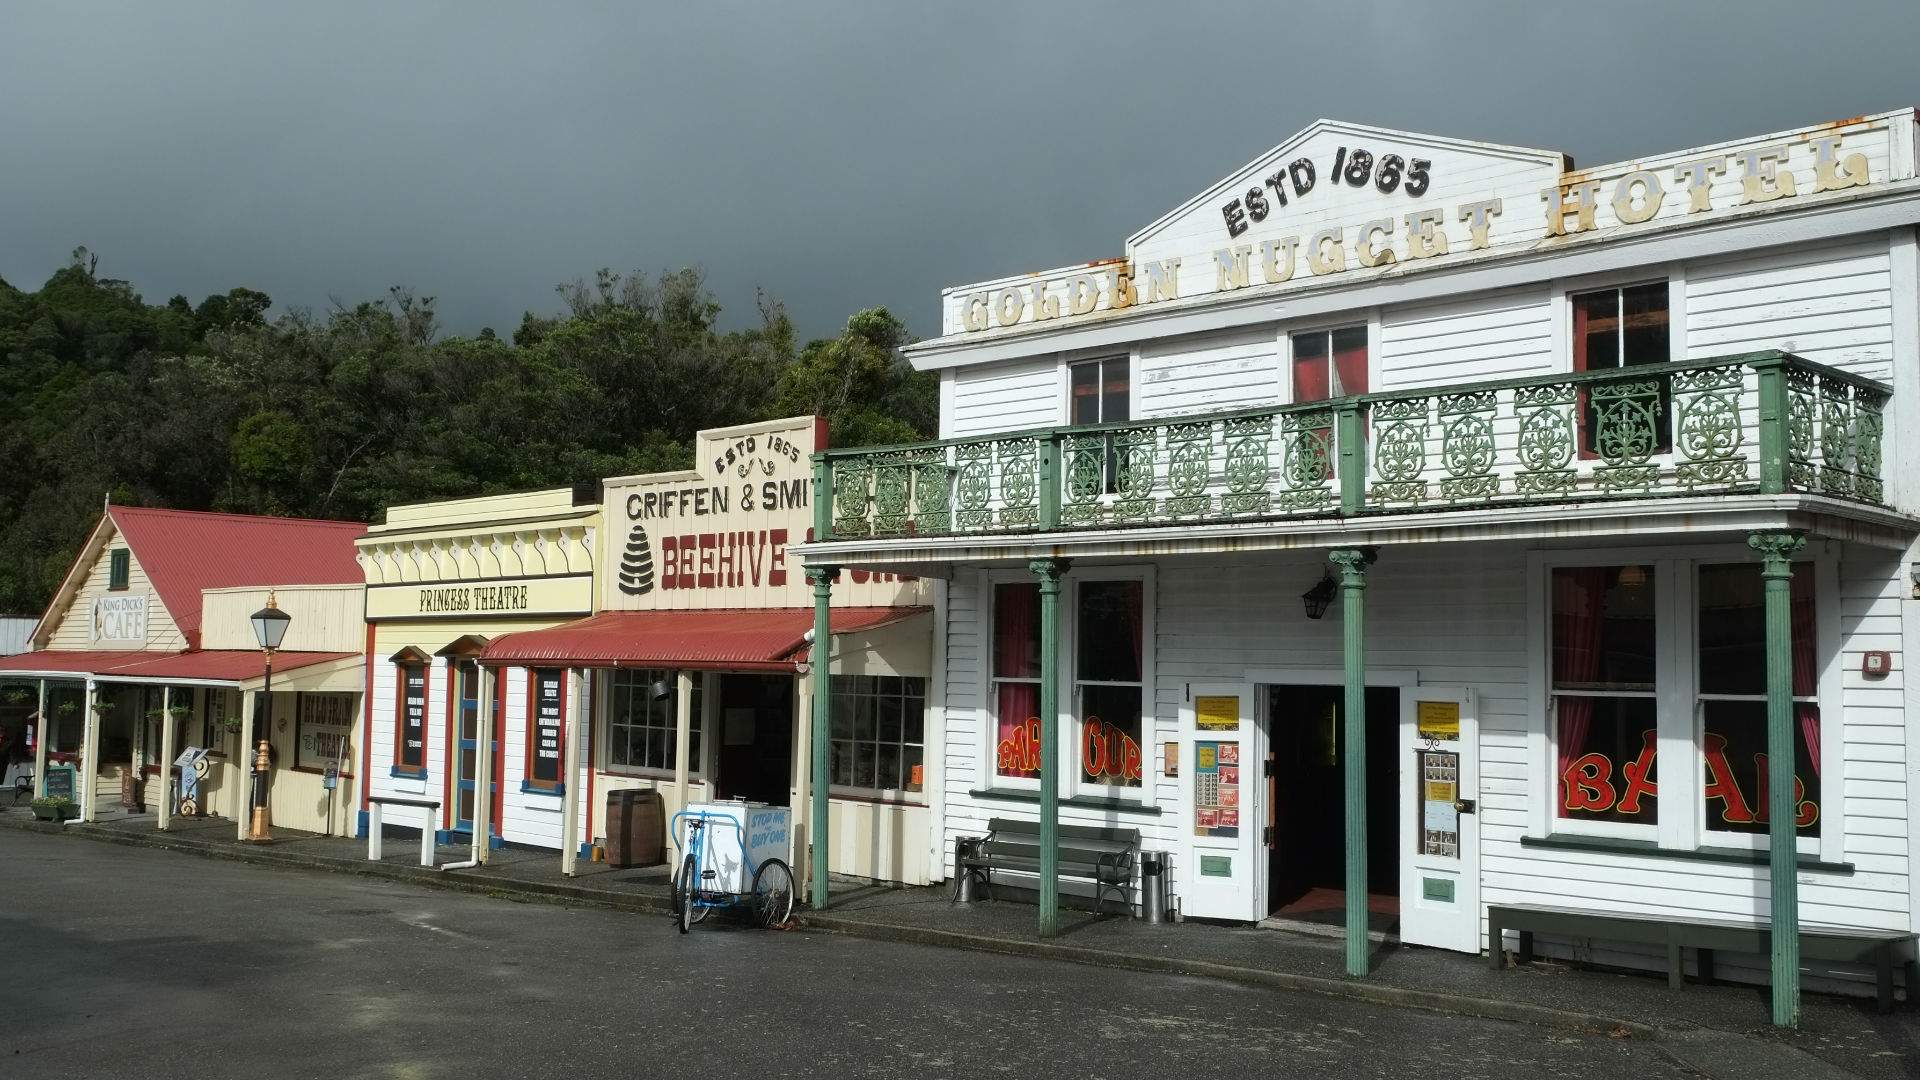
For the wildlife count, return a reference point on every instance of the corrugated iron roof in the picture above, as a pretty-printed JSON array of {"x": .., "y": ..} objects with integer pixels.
[
  {"x": 186, "y": 551},
  {"x": 214, "y": 665},
  {"x": 766, "y": 639}
]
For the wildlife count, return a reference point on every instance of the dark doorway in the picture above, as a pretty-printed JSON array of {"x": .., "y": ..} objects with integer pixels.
[
  {"x": 754, "y": 718},
  {"x": 1307, "y": 862}
]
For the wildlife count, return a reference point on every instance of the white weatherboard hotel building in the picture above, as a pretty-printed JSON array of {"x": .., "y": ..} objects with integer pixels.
[{"x": 1547, "y": 432}]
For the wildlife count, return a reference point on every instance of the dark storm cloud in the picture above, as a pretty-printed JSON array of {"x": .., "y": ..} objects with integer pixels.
[{"x": 837, "y": 155}]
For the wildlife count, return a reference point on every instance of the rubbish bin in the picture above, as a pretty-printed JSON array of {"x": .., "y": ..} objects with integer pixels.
[
  {"x": 965, "y": 848},
  {"x": 1153, "y": 886},
  {"x": 636, "y": 828}
]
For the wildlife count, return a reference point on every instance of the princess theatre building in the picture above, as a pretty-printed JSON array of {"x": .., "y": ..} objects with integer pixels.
[{"x": 1424, "y": 535}]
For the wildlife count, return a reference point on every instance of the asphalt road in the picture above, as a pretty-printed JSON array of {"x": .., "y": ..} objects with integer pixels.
[{"x": 125, "y": 962}]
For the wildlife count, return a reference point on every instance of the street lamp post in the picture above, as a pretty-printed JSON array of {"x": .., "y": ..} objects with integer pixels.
[{"x": 269, "y": 629}]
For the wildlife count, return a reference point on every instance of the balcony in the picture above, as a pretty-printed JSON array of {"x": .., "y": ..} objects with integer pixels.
[{"x": 1763, "y": 423}]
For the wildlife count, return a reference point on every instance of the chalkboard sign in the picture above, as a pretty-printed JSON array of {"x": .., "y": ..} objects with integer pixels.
[
  {"x": 549, "y": 717},
  {"x": 60, "y": 782},
  {"x": 412, "y": 751}
]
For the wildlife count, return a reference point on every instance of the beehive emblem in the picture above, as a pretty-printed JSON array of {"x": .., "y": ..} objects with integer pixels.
[{"x": 636, "y": 563}]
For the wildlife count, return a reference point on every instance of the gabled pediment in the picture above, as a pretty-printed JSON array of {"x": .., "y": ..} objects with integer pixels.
[{"x": 1333, "y": 172}]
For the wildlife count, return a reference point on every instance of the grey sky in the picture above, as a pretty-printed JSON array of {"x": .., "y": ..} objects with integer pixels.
[{"x": 837, "y": 155}]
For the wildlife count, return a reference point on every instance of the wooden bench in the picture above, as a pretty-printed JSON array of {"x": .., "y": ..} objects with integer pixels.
[
  {"x": 1107, "y": 857},
  {"x": 1875, "y": 948},
  {"x": 430, "y": 813}
]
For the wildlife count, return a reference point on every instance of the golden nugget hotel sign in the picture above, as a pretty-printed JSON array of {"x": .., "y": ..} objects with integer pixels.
[
  {"x": 568, "y": 594},
  {"x": 1292, "y": 201}
]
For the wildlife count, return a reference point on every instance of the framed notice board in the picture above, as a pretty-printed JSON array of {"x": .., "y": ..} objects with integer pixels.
[{"x": 546, "y": 730}]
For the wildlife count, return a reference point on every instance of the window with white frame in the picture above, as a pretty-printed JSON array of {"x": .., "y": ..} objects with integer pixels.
[
  {"x": 642, "y": 722},
  {"x": 1100, "y": 392},
  {"x": 1730, "y": 616},
  {"x": 1329, "y": 363},
  {"x": 1109, "y": 633},
  {"x": 1605, "y": 708},
  {"x": 1621, "y": 327},
  {"x": 1630, "y": 671},
  {"x": 879, "y": 736},
  {"x": 1014, "y": 680}
]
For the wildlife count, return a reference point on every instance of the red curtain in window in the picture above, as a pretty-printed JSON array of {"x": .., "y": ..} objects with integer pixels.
[
  {"x": 1805, "y": 678},
  {"x": 1350, "y": 360},
  {"x": 1578, "y": 606},
  {"x": 1310, "y": 372},
  {"x": 1016, "y": 613}
]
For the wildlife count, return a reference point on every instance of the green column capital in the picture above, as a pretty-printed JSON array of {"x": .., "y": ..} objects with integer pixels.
[
  {"x": 821, "y": 578},
  {"x": 1353, "y": 564},
  {"x": 1049, "y": 571},
  {"x": 1777, "y": 550}
]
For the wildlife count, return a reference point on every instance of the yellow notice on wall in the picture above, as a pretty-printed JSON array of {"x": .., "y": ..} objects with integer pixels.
[
  {"x": 1438, "y": 719},
  {"x": 1220, "y": 713}
]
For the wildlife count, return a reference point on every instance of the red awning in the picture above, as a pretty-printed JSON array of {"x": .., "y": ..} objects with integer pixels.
[
  {"x": 770, "y": 639},
  {"x": 213, "y": 665}
]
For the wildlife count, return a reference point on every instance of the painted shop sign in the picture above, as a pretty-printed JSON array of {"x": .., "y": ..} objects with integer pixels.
[
  {"x": 1734, "y": 785},
  {"x": 561, "y": 595},
  {"x": 1372, "y": 191},
  {"x": 1109, "y": 754},
  {"x": 716, "y": 536},
  {"x": 413, "y": 717},
  {"x": 120, "y": 617},
  {"x": 324, "y": 724},
  {"x": 549, "y": 714}
]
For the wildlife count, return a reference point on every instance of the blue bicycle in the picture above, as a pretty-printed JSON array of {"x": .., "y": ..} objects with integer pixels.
[{"x": 708, "y": 879}]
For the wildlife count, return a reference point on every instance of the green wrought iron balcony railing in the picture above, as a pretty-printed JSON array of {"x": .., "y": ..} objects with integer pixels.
[{"x": 1767, "y": 423}]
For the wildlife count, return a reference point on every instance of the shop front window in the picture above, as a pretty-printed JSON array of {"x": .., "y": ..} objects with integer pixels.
[
  {"x": 1730, "y": 605},
  {"x": 879, "y": 735},
  {"x": 1109, "y": 626},
  {"x": 1016, "y": 680},
  {"x": 1605, "y": 710},
  {"x": 642, "y": 725}
]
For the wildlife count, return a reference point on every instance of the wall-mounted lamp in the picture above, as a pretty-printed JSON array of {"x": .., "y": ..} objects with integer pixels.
[
  {"x": 660, "y": 689},
  {"x": 1320, "y": 596}
]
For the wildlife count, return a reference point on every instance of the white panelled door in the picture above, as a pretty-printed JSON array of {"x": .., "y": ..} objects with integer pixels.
[
  {"x": 1220, "y": 754},
  {"x": 1439, "y": 818}
]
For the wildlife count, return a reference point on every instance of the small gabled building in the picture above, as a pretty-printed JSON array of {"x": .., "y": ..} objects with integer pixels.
[{"x": 146, "y": 649}]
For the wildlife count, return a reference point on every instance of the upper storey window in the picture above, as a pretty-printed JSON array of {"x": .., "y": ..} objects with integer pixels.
[
  {"x": 1620, "y": 328},
  {"x": 1329, "y": 363},
  {"x": 1098, "y": 391}
]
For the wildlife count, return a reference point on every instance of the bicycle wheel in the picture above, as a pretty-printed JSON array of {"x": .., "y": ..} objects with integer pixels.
[
  {"x": 772, "y": 893},
  {"x": 684, "y": 893}
]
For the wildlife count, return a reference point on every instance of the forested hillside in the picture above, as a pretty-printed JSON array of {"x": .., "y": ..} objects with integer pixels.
[{"x": 343, "y": 413}]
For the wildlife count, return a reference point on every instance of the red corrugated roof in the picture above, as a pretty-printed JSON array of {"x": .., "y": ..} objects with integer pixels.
[
  {"x": 78, "y": 662},
  {"x": 770, "y": 639},
  {"x": 215, "y": 665},
  {"x": 186, "y": 551}
]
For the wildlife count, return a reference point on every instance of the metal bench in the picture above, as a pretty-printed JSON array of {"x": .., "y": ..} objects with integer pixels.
[
  {"x": 430, "y": 814},
  {"x": 1874, "y": 948},
  {"x": 1107, "y": 857}
]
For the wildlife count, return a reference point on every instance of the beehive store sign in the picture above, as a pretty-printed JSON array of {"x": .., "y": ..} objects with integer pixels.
[
  {"x": 569, "y": 594},
  {"x": 717, "y": 535}
]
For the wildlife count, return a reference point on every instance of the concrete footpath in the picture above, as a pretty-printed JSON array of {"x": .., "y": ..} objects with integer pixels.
[{"x": 1719, "y": 1031}]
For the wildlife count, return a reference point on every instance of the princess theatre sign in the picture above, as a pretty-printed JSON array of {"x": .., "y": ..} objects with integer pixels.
[{"x": 1333, "y": 201}]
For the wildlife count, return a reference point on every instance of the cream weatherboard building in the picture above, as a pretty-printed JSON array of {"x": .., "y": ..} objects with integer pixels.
[
  {"x": 699, "y": 671},
  {"x": 147, "y": 651},
  {"x": 442, "y": 581},
  {"x": 1427, "y": 527}
]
